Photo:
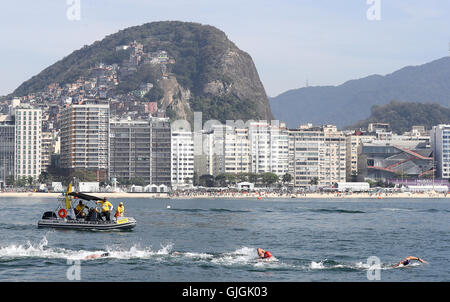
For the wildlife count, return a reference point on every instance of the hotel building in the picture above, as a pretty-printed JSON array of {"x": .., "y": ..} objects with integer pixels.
[
  {"x": 85, "y": 137},
  {"x": 316, "y": 154},
  {"x": 28, "y": 137}
]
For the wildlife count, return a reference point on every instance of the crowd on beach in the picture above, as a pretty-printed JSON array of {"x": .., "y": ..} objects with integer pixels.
[
  {"x": 305, "y": 194},
  {"x": 256, "y": 194}
]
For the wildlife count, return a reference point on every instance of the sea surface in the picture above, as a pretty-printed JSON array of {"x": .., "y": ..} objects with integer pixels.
[{"x": 216, "y": 240}]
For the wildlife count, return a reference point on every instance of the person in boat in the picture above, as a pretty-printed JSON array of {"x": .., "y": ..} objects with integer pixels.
[
  {"x": 106, "y": 209},
  {"x": 263, "y": 254},
  {"x": 95, "y": 256},
  {"x": 120, "y": 211},
  {"x": 79, "y": 210},
  {"x": 94, "y": 215},
  {"x": 408, "y": 260}
]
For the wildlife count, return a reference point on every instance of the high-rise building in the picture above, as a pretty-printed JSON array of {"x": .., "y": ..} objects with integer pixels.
[
  {"x": 269, "y": 148},
  {"x": 440, "y": 144},
  {"x": 28, "y": 131},
  {"x": 85, "y": 137},
  {"x": 130, "y": 151},
  {"x": 7, "y": 147},
  {"x": 204, "y": 153},
  {"x": 160, "y": 137},
  {"x": 231, "y": 150},
  {"x": 141, "y": 149},
  {"x": 182, "y": 159},
  {"x": 316, "y": 155},
  {"x": 47, "y": 149}
]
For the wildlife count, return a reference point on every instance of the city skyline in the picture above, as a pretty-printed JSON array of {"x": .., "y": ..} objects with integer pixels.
[{"x": 318, "y": 40}]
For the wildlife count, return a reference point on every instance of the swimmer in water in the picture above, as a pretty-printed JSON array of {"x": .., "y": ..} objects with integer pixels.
[
  {"x": 263, "y": 254},
  {"x": 408, "y": 260},
  {"x": 95, "y": 256}
]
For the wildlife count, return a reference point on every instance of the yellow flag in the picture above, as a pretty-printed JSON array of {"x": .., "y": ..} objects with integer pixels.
[{"x": 69, "y": 189}]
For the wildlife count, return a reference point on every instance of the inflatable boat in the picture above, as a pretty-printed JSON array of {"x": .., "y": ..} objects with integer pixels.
[{"x": 64, "y": 216}]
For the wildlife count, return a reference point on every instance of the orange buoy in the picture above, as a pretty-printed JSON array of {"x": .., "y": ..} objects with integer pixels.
[{"x": 62, "y": 213}]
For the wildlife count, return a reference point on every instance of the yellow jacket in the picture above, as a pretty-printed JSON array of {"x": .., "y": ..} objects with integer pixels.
[
  {"x": 80, "y": 208},
  {"x": 106, "y": 206},
  {"x": 120, "y": 211}
]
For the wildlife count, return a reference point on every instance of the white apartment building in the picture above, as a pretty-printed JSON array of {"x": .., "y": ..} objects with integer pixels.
[
  {"x": 231, "y": 150},
  {"x": 182, "y": 158},
  {"x": 440, "y": 144},
  {"x": 269, "y": 148},
  {"x": 28, "y": 132},
  {"x": 316, "y": 154},
  {"x": 85, "y": 136}
]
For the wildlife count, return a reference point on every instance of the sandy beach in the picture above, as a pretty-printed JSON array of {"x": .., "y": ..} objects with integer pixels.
[{"x": 231, "y": 195}]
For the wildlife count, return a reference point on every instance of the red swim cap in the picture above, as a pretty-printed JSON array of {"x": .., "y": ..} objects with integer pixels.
[{"x": 267, "y": 254}]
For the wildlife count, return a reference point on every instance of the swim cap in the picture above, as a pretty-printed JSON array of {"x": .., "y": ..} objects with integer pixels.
[{"x": 267, "y": 254}]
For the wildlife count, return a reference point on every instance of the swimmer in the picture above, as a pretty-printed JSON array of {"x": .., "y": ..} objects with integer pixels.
[
  {"x": 408, "y": 260},
  {"x": 95, "y": 256},
  {"x": 263, "y": 254}
]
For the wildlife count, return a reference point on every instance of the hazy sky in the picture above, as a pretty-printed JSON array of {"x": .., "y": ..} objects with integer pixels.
[{"x": 326, "y": 42}]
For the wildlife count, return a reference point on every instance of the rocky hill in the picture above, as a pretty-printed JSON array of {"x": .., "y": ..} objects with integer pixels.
[
  {"x": 186, "y": 67},
  {"x": 352, "y": 101}
]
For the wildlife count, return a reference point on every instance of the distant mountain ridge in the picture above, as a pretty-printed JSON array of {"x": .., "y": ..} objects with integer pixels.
[{"x": 350, "y": 102}]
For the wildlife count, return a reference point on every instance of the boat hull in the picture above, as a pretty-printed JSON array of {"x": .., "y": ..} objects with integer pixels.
[{"x": 128, "y": 224}]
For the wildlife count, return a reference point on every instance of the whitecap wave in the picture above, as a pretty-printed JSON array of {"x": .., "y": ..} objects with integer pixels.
[
  {"x": 357, "y": 266},
  {"x": 41, "y": 250}
]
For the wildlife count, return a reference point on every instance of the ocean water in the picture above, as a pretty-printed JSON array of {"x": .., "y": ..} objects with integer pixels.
[{"x": 216, "y": 240}]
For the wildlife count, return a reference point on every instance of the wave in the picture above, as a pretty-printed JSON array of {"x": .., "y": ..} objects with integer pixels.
[
  {"x": 244, "y": 257},
  {"x": 41, "y": 250},
  {"x": 333, "y": 265},
  {"x": 231, "y": 211},
  {"x": 336, "y": 211},
  {"x": 396, "y": 209},
  {"x": 188, "y": 210},
  {"x": 209, "y": 210},
  {"x": 434, "y": 211},
  {"x": 17, "y": 227}
]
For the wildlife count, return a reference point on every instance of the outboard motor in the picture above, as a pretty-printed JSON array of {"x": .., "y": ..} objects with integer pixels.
[{"x": 49, "y": 215}]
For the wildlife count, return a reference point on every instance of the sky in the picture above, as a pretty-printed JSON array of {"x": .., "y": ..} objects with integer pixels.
[{"x": 292, "y": 42}]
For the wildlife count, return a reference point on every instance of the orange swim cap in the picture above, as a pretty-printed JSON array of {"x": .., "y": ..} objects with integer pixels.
[{"x": 267, "y": 254}]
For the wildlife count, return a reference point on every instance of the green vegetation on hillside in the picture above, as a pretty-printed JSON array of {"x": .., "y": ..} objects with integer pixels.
[
  {"x": 223, "y": 108},
  {"x": 201, "y": 55},
  {"x": 195, "y": 48},
  {"x": 403, "y": 115}
]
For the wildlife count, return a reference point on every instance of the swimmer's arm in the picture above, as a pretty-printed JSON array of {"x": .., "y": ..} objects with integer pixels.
[
  {"x": 415, "y": 258},
  {"x": 421, "y": 260}
]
